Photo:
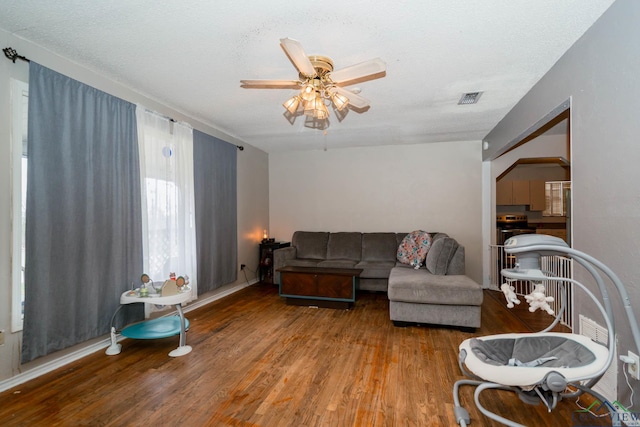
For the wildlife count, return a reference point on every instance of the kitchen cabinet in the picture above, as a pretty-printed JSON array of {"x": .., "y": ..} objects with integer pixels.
[
  {"x": 504, "y": 193},
  {"x": 536, "y": 196},
  {"x": 512, "y": 193},
  {"x": 520, "y": 192}
]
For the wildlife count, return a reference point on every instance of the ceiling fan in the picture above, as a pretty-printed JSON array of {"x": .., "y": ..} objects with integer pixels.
[{"x": 320, "y": 86}]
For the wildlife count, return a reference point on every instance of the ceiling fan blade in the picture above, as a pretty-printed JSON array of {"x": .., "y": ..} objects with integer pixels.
[
  {"x": 294, "y": 50},
  {"x": 270, "y": 84},
  {"x": 359, "y": 71},
  {"x": 356, "y": 100}
]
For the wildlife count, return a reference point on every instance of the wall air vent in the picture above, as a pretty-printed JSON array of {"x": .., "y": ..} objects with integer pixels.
[
  {"x": 469, "y": 98},
  {"x": 608, "y": 384}
]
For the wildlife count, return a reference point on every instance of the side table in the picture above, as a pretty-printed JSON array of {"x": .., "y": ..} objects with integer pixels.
[
  {"x": 265, "y": 267},
  {"x": 161, "y": 327}
]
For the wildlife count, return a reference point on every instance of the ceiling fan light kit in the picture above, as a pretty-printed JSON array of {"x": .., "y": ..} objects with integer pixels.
[
  {"x": 339, "y": 101},
  {"x": 292, "y": 104},
  {"x": 316, "y": 108},
  {"x": 320, "y": 86}
]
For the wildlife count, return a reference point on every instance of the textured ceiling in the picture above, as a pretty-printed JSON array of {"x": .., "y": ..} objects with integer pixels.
[{"x": 192, "y": 55}]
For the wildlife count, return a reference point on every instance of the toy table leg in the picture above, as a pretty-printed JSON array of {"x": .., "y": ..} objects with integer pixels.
[
  {"x": 183, "y": 348},
  {"x": 115, "y": 347}
]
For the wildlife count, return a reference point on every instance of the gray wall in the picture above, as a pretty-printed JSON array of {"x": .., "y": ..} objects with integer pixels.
[
  {"x": 253, "y": 181},
  {"x": 601, "y": 75},
  {"x": 431, "y": 187}
]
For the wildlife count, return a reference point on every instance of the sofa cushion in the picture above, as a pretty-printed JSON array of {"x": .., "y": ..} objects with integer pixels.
[
  {"x": 338, "y": 263},
  {"x": 379, "y": 247},
  {"x": 373, "y": 284},
  {"x": 414, "y": 247},
  {"x": 345, "y": 246},
  {"x": 440, "y": 254},
  {"x": 296, "y": 262},
  {"x": 375, "y": 269},
  {"x": 420, "y": 286},
  {"x": 401, "y": 265},
  {"x": 436, "y": 236},
  {"x": 399, "y": 238},
  {"x": 310, "y": 244}
]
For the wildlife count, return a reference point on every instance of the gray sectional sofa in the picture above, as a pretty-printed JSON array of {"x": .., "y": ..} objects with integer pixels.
[{"x": 436, "y": 293}]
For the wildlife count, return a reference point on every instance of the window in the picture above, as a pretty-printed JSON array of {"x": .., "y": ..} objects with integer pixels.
[
  {"x": 162, "y": 204},
  {"x": 19, "y": 114},
  {"x": 556, "y": 198},
  {"x": 168, "y": 205}
]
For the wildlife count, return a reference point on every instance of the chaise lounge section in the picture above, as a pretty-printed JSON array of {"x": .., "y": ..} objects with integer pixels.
[
  {"x": 436, "y": 293},
  {"x": 419, "y": 298}
]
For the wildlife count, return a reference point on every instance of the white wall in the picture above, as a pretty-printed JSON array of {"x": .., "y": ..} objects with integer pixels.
[
  {"x": 542, "y": 146},
  {"x": 600, "y": 74},
  {"x": 253, "y": 179},
  {"x": 433, "y": 187}
]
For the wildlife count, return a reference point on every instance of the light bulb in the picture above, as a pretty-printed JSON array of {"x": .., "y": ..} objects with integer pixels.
[{"x": 308, "y": 92}]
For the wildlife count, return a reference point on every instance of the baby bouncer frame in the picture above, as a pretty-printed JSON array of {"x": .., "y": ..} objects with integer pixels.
[{"x": 541, "y": 369}]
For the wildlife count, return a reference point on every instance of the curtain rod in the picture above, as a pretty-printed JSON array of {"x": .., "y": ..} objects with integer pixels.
[
  {"x": 172, "y": 120},
  {"x": 11, "y": 54}
]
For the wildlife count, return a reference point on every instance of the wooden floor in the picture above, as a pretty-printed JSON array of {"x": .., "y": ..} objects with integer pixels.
[{"x": 259, "y": 362}]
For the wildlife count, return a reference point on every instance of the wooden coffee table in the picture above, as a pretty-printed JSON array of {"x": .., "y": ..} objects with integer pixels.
[{"x": 321, "y": 287}]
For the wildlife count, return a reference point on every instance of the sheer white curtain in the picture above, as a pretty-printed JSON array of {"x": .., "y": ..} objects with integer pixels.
[{"x": 166, "y": 172}]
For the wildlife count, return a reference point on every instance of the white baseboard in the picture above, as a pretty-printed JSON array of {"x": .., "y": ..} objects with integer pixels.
[
  {"x": 103, "y": 344},
  {"x": 202, "y": 302}
]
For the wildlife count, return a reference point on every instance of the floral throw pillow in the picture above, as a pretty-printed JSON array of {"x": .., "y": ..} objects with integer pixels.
[{"x": 413, "y": 248}]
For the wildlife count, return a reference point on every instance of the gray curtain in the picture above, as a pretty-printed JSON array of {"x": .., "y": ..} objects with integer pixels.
[
  {"x": 83, "y": 225},
  {"x": 214, "y": 164}
]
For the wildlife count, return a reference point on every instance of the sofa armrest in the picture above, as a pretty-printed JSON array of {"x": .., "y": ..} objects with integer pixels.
[
  {"x": 457, "y": 262},
  {"x": 280, "y": 257}
]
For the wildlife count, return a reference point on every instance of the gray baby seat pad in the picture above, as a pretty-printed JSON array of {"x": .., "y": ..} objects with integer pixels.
[{"x": 532, "y": 351}]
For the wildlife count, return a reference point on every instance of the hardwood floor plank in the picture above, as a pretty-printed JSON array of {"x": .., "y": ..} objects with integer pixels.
[{"x": 259, "y": 362}]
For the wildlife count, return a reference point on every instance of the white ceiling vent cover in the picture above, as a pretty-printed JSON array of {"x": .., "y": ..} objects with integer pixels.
[{"x": 469, "y": 98}]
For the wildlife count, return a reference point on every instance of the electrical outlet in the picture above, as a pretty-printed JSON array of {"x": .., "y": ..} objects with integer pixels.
[
  {"x": 2, "y": 337},
  {"x": 634, "y": 367},
  {"x": 242, "y": 266}
]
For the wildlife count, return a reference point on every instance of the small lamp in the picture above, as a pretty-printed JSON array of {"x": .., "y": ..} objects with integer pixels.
[{"x": 265, "y": 236}]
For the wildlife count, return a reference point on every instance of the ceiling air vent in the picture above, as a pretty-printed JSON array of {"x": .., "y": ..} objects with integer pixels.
[{"x": 469, "y": 98}]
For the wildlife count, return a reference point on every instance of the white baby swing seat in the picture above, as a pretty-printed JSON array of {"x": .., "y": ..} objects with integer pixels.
[
  {"x": 525, "y": 359},
  {"x": 542, "y": 366}
]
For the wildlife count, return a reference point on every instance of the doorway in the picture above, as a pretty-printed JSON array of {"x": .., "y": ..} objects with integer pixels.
[
  {"x": 519, "y": 175},
  {"x": 519, "y": 178}
]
